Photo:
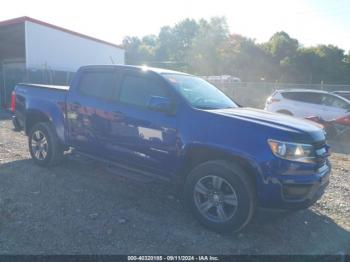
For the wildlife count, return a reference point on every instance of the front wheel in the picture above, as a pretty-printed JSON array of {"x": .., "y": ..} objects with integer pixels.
[
  {"x": 44, "y": 146},
  {"x": 221, "y": 195}
]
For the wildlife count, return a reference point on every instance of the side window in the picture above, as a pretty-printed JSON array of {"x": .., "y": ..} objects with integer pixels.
[
  {"x": 100, "y": 85},
  {"x": 138, "y": 90},
  {"x": 306, "y": 97},
  {"x": 289, "y": 95},
  {"x": 297, "y": 96},
  {"x": 313, "y": 98},
  {"x": 332, "y": 101}
]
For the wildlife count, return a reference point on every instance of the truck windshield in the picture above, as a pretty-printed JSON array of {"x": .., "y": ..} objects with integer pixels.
[{"x": 199, "y": 93}]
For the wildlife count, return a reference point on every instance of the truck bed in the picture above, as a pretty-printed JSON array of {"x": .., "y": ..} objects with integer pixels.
[{"x": 50, "y": 100}]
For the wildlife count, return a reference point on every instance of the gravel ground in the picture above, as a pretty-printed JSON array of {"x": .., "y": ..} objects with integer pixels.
[{"x": 79, "y": 208}]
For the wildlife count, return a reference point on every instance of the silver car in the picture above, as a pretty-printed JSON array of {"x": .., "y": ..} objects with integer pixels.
[{"x": 304, "y": 103}]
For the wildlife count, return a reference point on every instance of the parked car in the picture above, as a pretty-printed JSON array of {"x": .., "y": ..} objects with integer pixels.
[
  {"x": 161, "y": 124},
  {"x": 305, "y": 103},
  {"x": 223, "y": 78},
  {"x": 345, "y": 94}
]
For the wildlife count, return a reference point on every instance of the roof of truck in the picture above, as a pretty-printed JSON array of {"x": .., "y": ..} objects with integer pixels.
[{"x": 132, "y": 67}]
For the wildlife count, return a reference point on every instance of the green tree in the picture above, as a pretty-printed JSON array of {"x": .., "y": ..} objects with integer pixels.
[
  {"x": 281, "y": 45},
  {"x": 206, "y": 47},
  {"x": 175, "y": 43},
  {"x": 322, "y": 63},
  {"x": 205, "y": 53},
  {"x": 244, "y": 58},
  {"x": 347, "y": 58},
  {"x": 283, "y": 50}
]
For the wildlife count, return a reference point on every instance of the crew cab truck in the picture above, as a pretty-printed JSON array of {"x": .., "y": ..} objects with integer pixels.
[{"x": 157, "y": 123}]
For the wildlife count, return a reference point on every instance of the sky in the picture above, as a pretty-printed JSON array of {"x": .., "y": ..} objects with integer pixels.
[{"x": 312, "y": 22}]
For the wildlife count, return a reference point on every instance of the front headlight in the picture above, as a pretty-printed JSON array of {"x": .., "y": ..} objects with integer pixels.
[{"x": 292, "y": 151}]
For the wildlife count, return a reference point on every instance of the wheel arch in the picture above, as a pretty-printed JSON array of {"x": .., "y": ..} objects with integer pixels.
[
  {"x": 196, "y": 155},
  {"x": 34, "y": 116}
]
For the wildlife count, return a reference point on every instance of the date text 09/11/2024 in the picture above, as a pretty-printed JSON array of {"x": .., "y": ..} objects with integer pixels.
[{"x": 173, "y": 258}]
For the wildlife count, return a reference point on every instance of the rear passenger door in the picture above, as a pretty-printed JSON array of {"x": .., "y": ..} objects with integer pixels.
[{"x": 90, "y": 108}]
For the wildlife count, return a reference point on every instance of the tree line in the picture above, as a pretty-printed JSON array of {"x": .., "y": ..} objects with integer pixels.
[{"x": 206, "y": 47}]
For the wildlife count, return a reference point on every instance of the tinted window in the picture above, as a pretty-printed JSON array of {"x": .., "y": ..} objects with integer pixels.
[
  {"x": 98, "y": 84},
  {"x": 138, "y": 90},
  {"x": 292, "y": 96},
  {"x": 306, "y": 97},
  {"x": 333, "y": 101}
]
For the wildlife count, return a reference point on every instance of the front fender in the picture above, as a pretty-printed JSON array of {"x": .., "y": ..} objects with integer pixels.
[{"x": 212, "y": 151}]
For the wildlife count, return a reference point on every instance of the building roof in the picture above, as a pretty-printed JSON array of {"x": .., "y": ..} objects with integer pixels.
[{"x": 23, "y": 19}]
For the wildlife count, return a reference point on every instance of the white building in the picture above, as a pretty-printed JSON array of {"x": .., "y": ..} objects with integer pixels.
[{"x": 35, "y": 51}]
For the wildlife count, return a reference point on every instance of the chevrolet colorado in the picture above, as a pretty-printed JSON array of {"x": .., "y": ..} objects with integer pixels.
[{"x": 169, "y": 125}]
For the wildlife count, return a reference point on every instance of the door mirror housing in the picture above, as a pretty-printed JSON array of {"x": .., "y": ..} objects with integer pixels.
[{"x": 160, "y": 104}]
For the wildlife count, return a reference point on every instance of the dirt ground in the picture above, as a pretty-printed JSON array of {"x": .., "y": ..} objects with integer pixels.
[{"x": 80, "y": 208}]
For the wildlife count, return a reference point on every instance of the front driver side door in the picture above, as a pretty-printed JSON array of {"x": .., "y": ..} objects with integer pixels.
[{"x": 147, "y": 138}]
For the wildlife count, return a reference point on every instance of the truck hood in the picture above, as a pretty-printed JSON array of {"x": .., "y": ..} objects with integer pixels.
[{"x": 273, "y": 120}]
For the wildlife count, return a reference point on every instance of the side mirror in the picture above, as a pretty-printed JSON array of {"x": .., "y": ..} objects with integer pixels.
[{"x": 160, "y": 104}]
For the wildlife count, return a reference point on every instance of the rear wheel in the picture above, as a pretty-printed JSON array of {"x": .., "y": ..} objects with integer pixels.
[
  {"x": 44, "y": 146},
  {"x": 16, "y": 125},
  {"x": 220, "y": 195}
]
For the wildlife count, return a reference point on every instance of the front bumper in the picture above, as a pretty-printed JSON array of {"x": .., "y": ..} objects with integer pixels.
[{"x": 295, "y": 191}]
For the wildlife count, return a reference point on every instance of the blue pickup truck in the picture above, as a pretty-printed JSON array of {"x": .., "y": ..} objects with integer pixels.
[{"x": 225, "y": 159}]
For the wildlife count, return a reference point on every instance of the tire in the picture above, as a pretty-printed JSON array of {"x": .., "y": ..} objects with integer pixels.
[
  {"x": 233, "y": 179},
  {"x": 43, "y": 137},
  {"x": 16, "y": 125},
  {"x": 285, "y": 112}
]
